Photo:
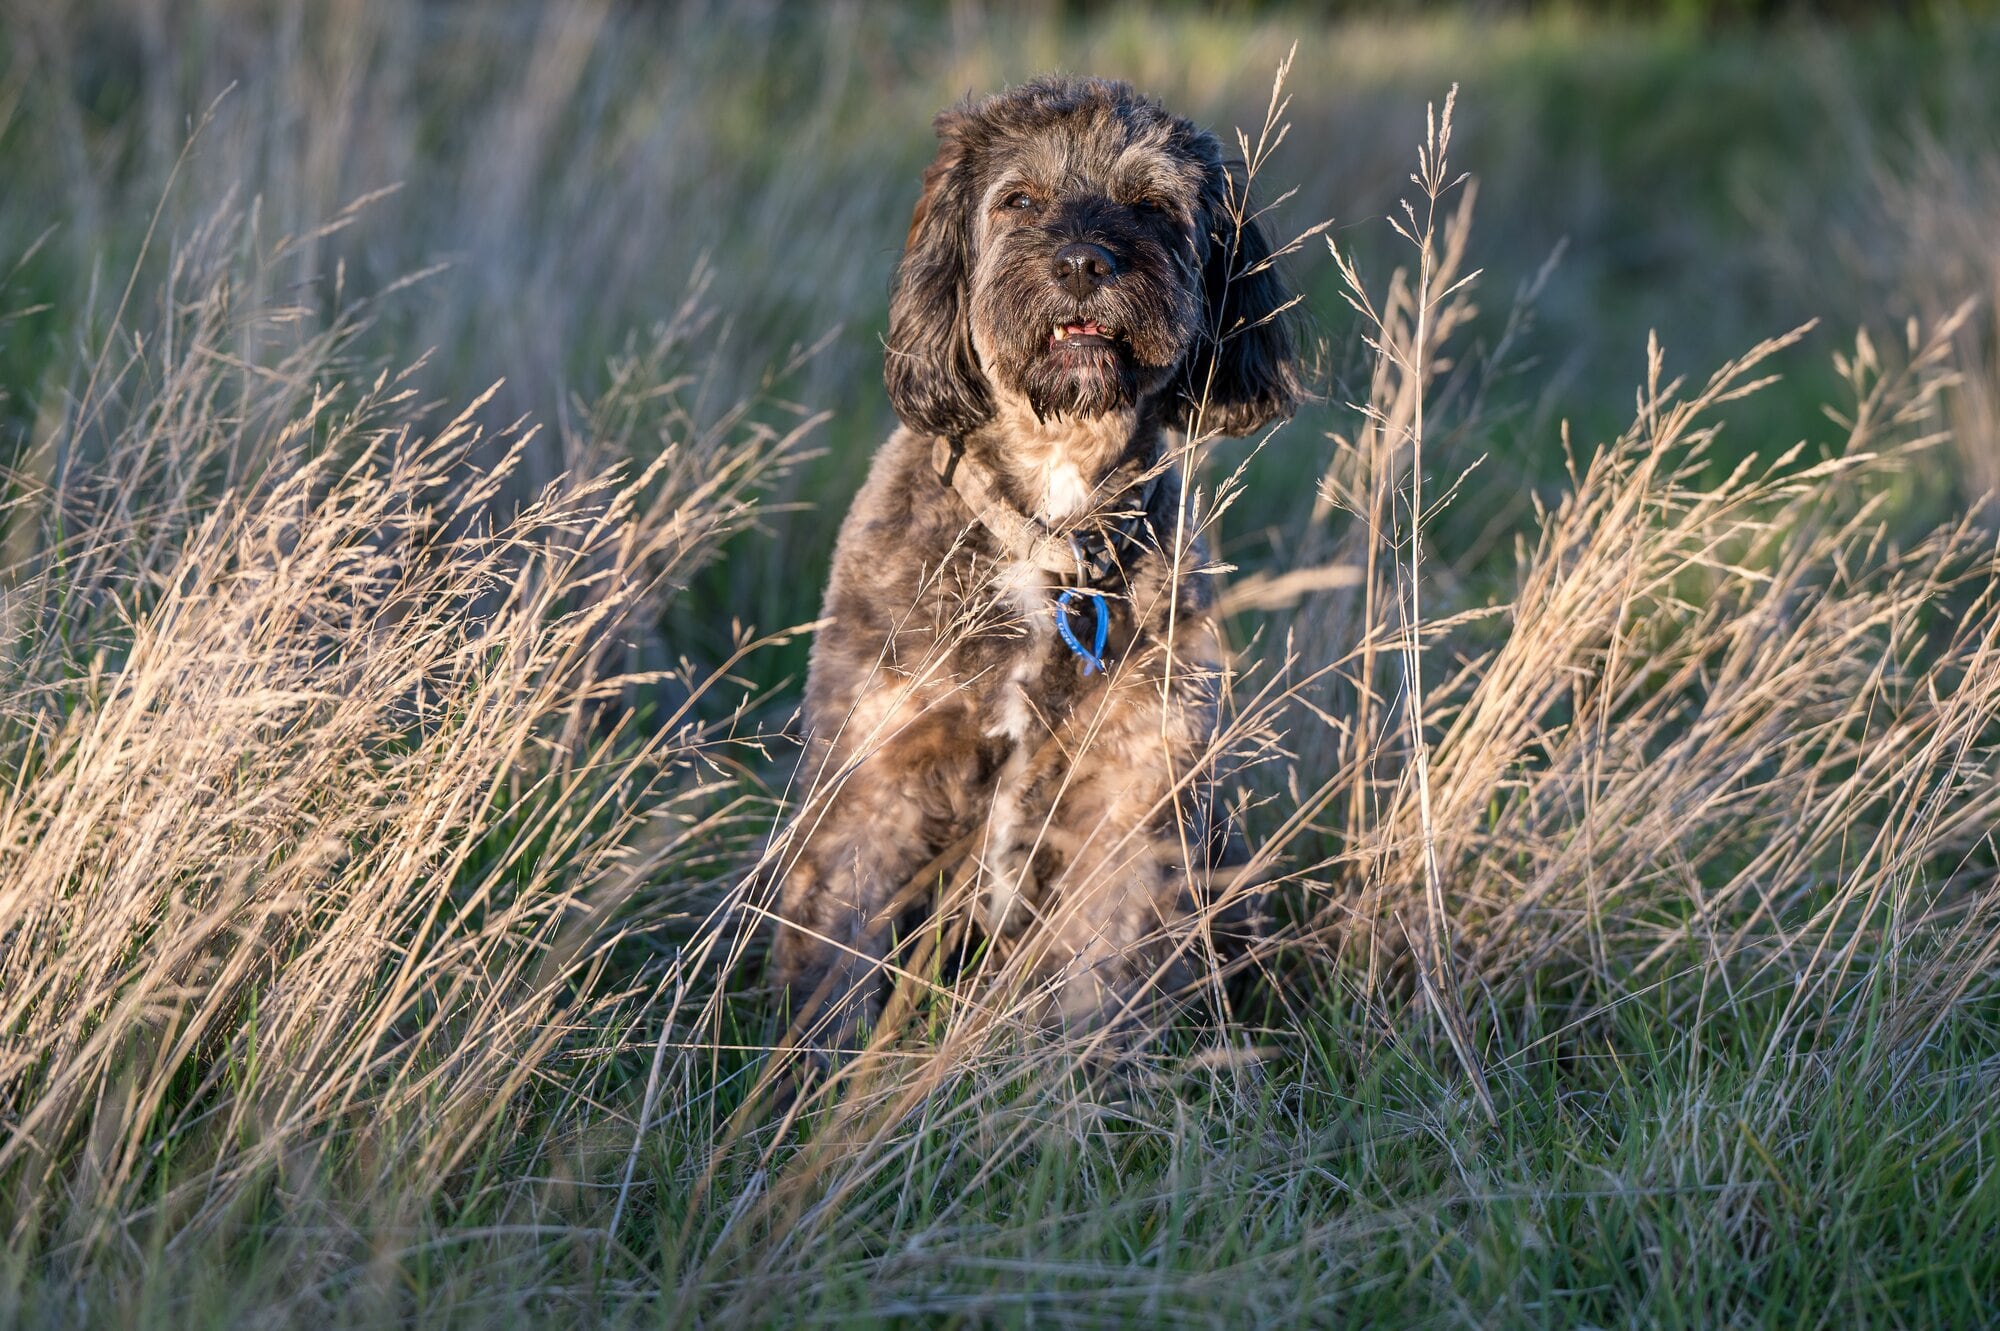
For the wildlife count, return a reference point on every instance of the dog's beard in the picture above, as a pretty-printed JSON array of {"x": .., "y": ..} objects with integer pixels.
[
  {"x": 1067, "y": 373},
  {"x": 1081, "y": 382},
  {"x": 1077, "y": 363}
]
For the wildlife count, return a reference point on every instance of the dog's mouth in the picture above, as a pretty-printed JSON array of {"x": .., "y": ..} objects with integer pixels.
[{"x": 1083, "y": 334}]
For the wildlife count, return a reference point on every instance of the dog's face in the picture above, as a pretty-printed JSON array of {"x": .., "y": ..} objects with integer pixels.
[
  {"x": 1086, "y": 275},
  {"x": 1078, "y": 249}
]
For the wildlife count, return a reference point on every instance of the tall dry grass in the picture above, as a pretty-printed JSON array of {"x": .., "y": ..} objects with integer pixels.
[{"x": 329, "y": 809}]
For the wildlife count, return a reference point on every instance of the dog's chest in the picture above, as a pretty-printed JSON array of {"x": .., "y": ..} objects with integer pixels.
[
  {"x": 1064, "y": 493},
  {"x": 1030, "y": 673},
  {"x": 1034, "y": 686},
  {"x": 1019, "y": 707},
  {"x": 1034, "y": 672}
]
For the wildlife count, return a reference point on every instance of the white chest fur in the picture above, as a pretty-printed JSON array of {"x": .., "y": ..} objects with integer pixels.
[
  {"x": 1056, "y": 461},
  {"x": 1064, "y": 492},
  {"x": 1024, "y": 589}
]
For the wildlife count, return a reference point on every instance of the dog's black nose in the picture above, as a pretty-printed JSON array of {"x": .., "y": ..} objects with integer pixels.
[{"x": 1082, "y": 268}]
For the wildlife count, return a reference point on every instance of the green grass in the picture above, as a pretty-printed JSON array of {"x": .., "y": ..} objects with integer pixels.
[{"x": 1647, "y": 1173}]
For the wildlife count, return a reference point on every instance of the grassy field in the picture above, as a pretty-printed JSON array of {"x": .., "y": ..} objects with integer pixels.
[{"x": 424, "y": 429}]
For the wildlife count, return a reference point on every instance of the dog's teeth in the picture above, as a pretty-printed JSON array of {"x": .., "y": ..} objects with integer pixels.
[{"x": 1061, "y": 332}]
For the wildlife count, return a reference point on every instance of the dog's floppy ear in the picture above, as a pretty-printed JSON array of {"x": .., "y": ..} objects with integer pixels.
[
  {"x": 930, "y": 368},
  {"x": 1243, "y": 372}
]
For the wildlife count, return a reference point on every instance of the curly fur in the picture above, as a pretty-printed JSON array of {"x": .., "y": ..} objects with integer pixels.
[{"x": 940, "y": 698}]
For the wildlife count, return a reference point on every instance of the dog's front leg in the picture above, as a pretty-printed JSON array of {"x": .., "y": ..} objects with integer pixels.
[
  {"x": 1116, "y": 913},
  {"x": 1126, "y": 921},
  {"x": 882, "y": 816}
]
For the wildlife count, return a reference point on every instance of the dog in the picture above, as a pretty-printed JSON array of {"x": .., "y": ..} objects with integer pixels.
[{"x": 1018, "y": 654}]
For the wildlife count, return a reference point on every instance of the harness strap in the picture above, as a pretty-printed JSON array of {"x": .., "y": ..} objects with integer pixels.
[
  {"x": 1020, "y": 535},
  {"x": 1029, "y": 539}
]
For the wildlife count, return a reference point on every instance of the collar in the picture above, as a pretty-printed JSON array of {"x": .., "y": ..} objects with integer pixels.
[{"x": 1090, "y": 551}]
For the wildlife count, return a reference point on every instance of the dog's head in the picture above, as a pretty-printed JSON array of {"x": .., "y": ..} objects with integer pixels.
[{"x": 1079, "y": 248}]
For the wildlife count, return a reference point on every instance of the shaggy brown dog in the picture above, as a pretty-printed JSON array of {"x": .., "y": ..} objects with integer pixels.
[{"x": 1079, "y": 287}]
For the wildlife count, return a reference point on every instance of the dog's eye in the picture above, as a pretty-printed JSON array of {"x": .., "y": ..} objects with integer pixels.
[
  {"x": 1149, "y": 204},
  {"x": 1020, "y": 201}
]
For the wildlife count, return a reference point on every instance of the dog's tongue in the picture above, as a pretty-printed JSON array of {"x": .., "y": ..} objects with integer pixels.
[{"x": 1087, "y": 328}]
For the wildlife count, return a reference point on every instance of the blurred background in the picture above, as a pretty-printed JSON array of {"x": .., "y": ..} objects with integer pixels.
[{"x": 534, "y": 192}]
